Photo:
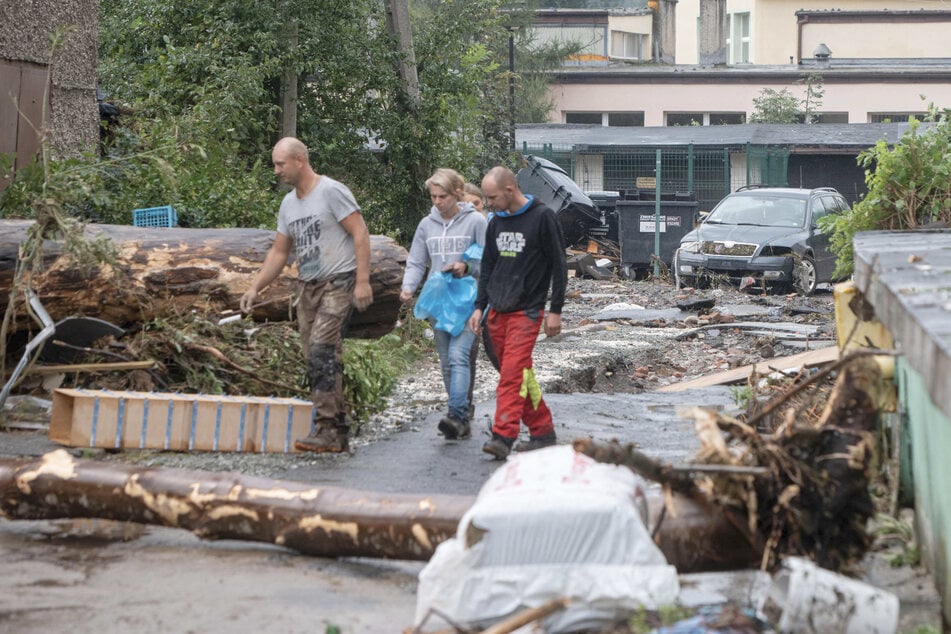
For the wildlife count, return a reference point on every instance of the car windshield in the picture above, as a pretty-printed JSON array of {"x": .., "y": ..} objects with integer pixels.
[{"x": 763, "y": 211}]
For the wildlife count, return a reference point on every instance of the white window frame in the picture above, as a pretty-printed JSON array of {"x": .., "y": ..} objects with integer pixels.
[
  {"x": 738, "y": 43},
  {"x": 630, "y": 45}
]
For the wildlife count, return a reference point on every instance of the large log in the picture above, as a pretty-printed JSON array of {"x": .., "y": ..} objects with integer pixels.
[
  {"x": 162, "y": 271},
  {"x": 321, "y": 521}
]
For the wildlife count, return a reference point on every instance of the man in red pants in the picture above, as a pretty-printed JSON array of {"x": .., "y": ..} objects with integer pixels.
[{"x": 524, "y": 256}]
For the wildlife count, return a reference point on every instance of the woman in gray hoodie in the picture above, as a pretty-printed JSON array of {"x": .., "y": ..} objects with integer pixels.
[{"x": 441, "y": 239}]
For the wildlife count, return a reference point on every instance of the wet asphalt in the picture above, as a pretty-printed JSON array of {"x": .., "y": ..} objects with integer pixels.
[{"x": 104, "y": 577}]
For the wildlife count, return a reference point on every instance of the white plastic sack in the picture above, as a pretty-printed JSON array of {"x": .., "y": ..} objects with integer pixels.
[{"x": 550, "y": 523}]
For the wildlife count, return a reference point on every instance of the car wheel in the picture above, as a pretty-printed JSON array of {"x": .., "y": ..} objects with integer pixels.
[{"x": 806, "y": 276}]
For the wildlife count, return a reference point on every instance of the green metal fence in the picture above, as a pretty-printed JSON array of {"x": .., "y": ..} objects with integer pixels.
[{"x": 707, "y": 173}]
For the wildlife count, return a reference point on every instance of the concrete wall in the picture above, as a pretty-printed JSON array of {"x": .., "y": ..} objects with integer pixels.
[
  {"x": 910, "y": 298},
  {"x": 25, "y": 27},
  {"x": 655, "y": 98},
  {"x": 774, "y": 31}
]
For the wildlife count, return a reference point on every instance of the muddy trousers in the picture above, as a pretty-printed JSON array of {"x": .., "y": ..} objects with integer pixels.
[
  {"x": 518, "y": 396},
  {"x": 323, "y": 312}
]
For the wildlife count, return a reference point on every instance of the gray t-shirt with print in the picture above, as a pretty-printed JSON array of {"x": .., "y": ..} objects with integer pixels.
[{"x": 323, "y": 247}]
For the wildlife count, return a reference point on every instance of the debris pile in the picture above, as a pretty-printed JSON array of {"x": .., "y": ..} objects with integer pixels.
[{"x": 796, "y": 478}]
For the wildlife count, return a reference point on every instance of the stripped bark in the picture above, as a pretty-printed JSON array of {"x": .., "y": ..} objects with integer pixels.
[
  {"x": 162, "y": 271},
  {"x": 321, "y": 521}
]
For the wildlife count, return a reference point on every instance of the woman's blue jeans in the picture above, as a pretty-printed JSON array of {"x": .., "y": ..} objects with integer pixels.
[{"x": 454, "y": 362}]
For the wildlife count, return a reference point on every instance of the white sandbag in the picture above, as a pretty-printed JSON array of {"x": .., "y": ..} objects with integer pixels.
[{"x": 550, "y": 523}]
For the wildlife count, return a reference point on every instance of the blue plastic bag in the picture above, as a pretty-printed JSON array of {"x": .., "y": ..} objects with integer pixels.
[{"x": 446, "y": 300}]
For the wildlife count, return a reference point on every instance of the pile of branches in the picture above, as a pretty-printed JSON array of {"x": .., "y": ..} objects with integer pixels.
[
  {"x": 193, "y": 353},
  {"x": 793, "y": 472}
]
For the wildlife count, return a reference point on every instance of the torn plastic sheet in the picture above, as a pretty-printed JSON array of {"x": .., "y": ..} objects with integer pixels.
[{"x": 548, "y": 524}]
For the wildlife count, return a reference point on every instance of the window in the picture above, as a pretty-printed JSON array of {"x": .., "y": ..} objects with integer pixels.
[
  {"x": 738, "y": 38},
  {"x": 727, "y": 118},
  {"x": 894, "y": 117},
  {"x": 705, "y": 118},
  {"x": 626, "y": 45},
  {"x": 684, "y": 118},
  {"x": 583, "y": 117},
  {"x": 832, "y": 117},
  {"x": 627, "y": 119}
]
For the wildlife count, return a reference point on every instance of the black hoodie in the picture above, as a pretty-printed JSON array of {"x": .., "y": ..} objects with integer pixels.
[{"x": 524, "y": 255}]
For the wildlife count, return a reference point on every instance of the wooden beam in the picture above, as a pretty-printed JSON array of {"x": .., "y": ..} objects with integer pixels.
[{"x": 810, "y": 358}]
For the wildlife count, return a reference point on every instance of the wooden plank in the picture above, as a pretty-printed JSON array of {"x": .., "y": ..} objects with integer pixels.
[{"x": 809, "y": 358}]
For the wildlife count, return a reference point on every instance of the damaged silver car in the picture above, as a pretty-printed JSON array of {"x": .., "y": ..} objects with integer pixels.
[{"x": 762, "y": 237}]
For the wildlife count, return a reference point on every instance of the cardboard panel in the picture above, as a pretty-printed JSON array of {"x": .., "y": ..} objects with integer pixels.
[{"x": 190, "y": 422}]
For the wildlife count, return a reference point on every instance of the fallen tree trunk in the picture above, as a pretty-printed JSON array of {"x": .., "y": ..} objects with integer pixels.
[
  {"x": 321, "y": 521},
  {"x": 161, "y": 271}
]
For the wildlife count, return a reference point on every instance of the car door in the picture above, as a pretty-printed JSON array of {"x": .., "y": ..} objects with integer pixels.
[{"x": 819, "y": 240}]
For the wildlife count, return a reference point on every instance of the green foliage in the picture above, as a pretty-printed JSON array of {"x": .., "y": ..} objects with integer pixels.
[
  {"x": 774, "y": 106},
  {"x": 909, "y": 185},
  {"x": 203, "y": 80},
  {"x": 812, "y": 97},
  {"x": 371, "y": 367},
  {"x": 898, "y": 535},
  {"x": 199, "y": 84},
  {"x": 782, "y": 106},
  {"x": 644, "y": 620},
  {"x": 742, "y": 395}
]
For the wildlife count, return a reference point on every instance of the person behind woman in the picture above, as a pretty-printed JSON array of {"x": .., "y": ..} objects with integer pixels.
[
  {"x": 441, "y": 238},
  {"x": 474, "y": 195}
]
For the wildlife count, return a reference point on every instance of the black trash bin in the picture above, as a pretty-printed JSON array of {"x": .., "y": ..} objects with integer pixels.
[
  {"x": 606, "y": 202},
  {"x": 637, "y": 226},
  {"x": 551, "y": 185}
]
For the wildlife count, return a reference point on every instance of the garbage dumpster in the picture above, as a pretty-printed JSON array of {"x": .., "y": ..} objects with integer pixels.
[
  {"x": 636, "y": 228},
  {"x": 551, "y": 185},
  {"x": 606, "y": 202}
]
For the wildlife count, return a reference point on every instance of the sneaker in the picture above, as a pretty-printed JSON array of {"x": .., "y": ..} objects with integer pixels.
[
  {"x": 536, "y": 442},
  {"x": 498, "y": 446},
  {"x": 326, "y": 440},
  {"x": 453, "y": 428}
]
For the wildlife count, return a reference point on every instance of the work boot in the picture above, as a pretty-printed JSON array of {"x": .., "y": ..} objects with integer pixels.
[
  {"x": 498, "y": 446},
  {"x": 324, "y": 440},
  {"x": 453, "y": 428},
  {"x": 536, "y": 442}
]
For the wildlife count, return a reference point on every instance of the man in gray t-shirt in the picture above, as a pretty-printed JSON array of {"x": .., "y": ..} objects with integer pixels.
[{"x": 321, "y": 221}]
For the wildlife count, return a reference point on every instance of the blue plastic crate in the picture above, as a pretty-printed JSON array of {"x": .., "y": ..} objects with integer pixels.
[{"x": 155, "y": 217}]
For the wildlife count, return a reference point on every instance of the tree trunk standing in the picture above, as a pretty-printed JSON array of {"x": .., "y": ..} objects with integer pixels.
[
  {"x": 289, "y": 80},
  {"x": 398, "y": 25},
  {"x": 161, "y": 271}
]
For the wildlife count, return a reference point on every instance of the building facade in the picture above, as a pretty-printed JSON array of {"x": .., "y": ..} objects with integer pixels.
[
  {"x": 875, "y": 62},
  {"x": 45, "y": 91}
]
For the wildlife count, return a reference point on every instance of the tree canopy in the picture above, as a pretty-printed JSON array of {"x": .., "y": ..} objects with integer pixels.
[{"x": 203, "y": 77}]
